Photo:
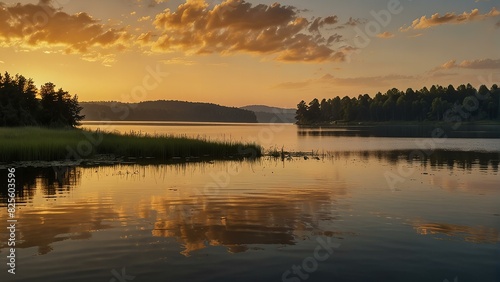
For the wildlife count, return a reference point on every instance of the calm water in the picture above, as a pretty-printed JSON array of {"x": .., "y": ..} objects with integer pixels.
[
  {"x": 365, "y": 212},
  {"x": 293, "y": 138}
]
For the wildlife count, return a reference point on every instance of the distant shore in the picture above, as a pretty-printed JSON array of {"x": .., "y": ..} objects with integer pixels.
[
  {"x": 395, "y": 123},
  {"x": 401, "y": 129}
]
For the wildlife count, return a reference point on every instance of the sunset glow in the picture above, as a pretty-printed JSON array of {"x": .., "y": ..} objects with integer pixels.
[{"x": 238, "y": 53}]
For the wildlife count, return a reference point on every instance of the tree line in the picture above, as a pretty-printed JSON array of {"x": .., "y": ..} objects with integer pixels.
[
  {"x": 435, "y": 104},
  {"x": 163, "y": 110},
  {"x": 23, "y": 104}
]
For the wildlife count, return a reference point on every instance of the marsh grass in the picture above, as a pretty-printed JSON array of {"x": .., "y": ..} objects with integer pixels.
[{"x": 43, "y": 144}]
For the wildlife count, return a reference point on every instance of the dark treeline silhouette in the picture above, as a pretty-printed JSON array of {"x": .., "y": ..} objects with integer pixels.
[
  {"x": 165, "y": 111},
  {"x": 22, "y": 104},
  {"x": 435, "y": 104}
]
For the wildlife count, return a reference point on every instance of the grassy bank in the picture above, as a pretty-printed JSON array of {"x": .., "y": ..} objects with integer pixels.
[{"x": 42, "y": 144}]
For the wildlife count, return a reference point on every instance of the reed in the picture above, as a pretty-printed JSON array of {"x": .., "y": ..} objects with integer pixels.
[{"x": 43, "y": 144}]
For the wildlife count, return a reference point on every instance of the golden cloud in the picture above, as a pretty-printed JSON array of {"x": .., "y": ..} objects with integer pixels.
[
  {"x": 145, "y": 38},
  {"x": 450, "y": 18},
  {"x": 385, "y": 35},
  {"x": 179, "y": 61},
  {"x": 143, "y": 19},
  {"x": 467, "y": 64},
  {"x": 41, "y": 25},
  {"x": 236, "y": 26}
]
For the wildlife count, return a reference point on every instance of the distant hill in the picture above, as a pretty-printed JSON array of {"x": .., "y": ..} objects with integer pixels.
[
  {"x": 266, "y": 114},
  {"x": 164, "y": 111}
]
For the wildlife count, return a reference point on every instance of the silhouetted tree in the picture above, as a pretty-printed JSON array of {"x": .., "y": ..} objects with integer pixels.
[
  {"x": 301, "y": 113},
  {"x": 19, "y": 105},
  {"x": 314, "y": 111}
]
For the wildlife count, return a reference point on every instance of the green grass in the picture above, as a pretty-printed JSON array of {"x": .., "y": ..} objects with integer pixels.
[{"x": 43, "y": 144}]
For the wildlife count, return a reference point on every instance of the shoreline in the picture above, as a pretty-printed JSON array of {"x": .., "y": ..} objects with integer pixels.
[
  {"x": 33, "y": 144},
  {"x": 396, "y": 123},
  {"x": 275, "y": 155}
]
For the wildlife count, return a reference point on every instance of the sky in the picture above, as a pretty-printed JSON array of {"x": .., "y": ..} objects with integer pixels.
[{"x": 238, "y": 53}]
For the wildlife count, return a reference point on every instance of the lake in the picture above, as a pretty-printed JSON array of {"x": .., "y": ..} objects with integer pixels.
[{"x": 364, "y": 207}]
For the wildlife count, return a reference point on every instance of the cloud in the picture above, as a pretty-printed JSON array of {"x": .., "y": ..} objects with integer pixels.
[
  {"x": 178, "y": 61},
  {"x": 449, "y": 65},
  {"x": 143, "y": 19},
  {"x": 334, "y": 38},
  {"x": 328, "y": 79},
  {"x": 41, "y": 25},
  {"x": 416, "y": 35},
  {"x": 106, "y": 59},
  {"x": 474, "y": 64},
  {"x": 236, "y": 26},
  {"x": 450, "y": 18},
  {"x": 151, "y": 3},
  {"x": 444, "y": 74},
  {"x": 351, "y": 22},
  {"x": 385, "y": 35},
  {"x": 145, "y": 38},
  {"x": 320, "y": 22}
]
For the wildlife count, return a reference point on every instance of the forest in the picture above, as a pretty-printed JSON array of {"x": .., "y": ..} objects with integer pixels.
[
  {"x": 165, "y": 111},
  {"x": 435, "y": 104},
  {"x": 23, "y": 104}
]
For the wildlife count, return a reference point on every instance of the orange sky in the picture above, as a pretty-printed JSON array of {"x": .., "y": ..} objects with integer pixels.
[{"x": 238, "y": 53}]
